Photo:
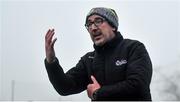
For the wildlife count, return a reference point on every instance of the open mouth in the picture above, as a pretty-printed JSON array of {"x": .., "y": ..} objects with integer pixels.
[{"x": 97, "y": 36}]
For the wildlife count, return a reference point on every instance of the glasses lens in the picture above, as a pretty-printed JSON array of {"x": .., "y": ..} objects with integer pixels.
[{"x": 97, "y": 22}]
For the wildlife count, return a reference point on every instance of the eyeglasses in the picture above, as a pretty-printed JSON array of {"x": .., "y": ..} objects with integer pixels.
[{"x": 97, "y": 22}]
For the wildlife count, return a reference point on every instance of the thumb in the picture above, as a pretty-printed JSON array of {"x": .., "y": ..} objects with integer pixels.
[{"x": 93, "y": 79}]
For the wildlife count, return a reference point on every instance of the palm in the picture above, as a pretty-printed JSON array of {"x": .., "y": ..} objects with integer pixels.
[{"x": 49, "y": 45}]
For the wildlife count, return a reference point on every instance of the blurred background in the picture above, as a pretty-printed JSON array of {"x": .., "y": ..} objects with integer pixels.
[{"x": 24, "y": 24}]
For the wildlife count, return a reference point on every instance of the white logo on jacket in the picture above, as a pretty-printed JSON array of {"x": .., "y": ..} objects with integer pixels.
[{"x": 119, "y": 63}]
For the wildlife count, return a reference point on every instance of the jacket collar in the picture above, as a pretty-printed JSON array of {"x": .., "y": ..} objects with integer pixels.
[{"x": 111, "y": 44}]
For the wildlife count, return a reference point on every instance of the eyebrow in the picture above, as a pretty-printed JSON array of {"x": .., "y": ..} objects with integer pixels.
[{"x": 95, "y": 19}]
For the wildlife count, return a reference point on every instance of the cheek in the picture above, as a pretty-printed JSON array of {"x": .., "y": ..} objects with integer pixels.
[
  {"x": 91, "y": 37},
  {"x": 105, "y": 29},
  {"x": 105, "y": 32}
]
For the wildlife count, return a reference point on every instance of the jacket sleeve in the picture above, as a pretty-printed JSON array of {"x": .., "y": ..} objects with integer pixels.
[
  {"x": 139, "y": 73},
  {"x": 71, "y": 82}
]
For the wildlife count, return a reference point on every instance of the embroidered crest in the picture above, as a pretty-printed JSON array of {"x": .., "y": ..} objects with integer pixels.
[{"x": 121, "y": 62}]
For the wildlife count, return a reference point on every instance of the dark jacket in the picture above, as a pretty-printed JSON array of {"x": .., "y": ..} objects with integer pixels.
[{"x": 122, "y": 67}]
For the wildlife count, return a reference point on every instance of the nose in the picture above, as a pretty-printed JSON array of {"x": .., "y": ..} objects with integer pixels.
[{"x": 93, "y": 27}]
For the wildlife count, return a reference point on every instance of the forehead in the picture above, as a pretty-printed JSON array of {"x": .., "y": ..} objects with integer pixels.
[{"x": 92, "y": 17}]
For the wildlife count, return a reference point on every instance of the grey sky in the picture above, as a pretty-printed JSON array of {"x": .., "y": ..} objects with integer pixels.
[{"x": 24, "y": 24}]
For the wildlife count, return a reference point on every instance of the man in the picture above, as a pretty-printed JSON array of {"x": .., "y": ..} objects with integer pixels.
[{"x": 118, "y": 68}]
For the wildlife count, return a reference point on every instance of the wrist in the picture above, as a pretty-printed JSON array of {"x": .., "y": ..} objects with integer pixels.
[{"x": 51, "y": 60}]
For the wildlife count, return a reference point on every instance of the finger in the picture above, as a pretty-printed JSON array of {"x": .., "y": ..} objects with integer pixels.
[
  {"x": 47, "y": 41},
  {"x": 50, "y": 33},
  {"x": 52, "y": 30},
  {"x": 52, "y": 44},
  {"x": 51, "y": 36},
  {"x": 47, "y": 33},
  {"x": 93, "y": 79}
]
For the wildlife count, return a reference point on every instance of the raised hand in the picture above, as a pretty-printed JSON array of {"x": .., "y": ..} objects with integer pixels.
[
  {"x": 49, "y": 45},
  {"x": 92, "y": 87}
]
